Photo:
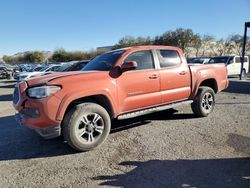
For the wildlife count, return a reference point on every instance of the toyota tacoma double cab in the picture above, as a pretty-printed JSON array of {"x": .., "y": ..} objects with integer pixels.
[{"x": 119, "y": 84}]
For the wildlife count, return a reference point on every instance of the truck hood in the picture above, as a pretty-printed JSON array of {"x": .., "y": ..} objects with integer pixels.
[{"x": 41, "y": 80}]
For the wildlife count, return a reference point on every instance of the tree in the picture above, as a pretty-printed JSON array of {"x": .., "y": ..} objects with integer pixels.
[
  {"x": 128, "y": 41},
  {"x": 60, "y": 55},
  {"x": 236, "y": 41},
  {"x": 196, "y": 44},
  {"x": 7, "y": 59},
  {"x": 34, "y": 56},
  {"x": 224, "y": 47},
  {"x": 182, "y": 38},
  {"x": 207, "y": 45}
]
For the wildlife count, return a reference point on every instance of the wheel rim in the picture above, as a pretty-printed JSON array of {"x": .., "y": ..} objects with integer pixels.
[
  {"x": 207, "y": 101},
  {"x": 90, "y": 128}
]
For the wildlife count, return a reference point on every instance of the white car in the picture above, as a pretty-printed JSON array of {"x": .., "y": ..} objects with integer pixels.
[
  {"x": 27, "y": 75},
  {"x": 233, "y": 64}
]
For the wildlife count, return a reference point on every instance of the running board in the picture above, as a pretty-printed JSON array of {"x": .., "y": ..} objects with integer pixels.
[{"x": 152, "y": 110}]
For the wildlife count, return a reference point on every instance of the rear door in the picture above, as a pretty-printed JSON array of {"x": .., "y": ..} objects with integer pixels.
[
  {"x": 231, "y": 66},
  {"x": 237, "y": 65},
  {"x": 140, "y": 88},
  {"x": 175, "y": 76}
]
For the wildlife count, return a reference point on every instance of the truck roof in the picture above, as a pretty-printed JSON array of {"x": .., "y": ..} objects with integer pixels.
[{"x": 144, "y": 47}]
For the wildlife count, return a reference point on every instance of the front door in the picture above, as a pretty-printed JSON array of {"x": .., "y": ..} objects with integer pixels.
[{"x": 139, "y": 88}]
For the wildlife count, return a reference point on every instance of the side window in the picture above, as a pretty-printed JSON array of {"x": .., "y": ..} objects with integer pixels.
[
  {"x": 230, "y": 61},
  {"x": 54, "y": 68},
  {"x": 237, "y": 59},
  {"x": 48, "y": 70},
  {"x": 168, "y": 58},
  {"x": 144, "y": 59}
]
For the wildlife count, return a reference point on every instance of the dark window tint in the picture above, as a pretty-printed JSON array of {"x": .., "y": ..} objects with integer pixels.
[
  {"x": 53, "y": 68},
  {"x": 168, "y": 58},
  {"x": 230, "y": 61},
  {"x": 144, "y": 59},
  {"x": 219, "y": 60},
  {"x": 78, "y": 66},
  {"x": 104, "y": 62},
  {"x": 237, "y": 59},
  {"x": 38, "y": 68}
]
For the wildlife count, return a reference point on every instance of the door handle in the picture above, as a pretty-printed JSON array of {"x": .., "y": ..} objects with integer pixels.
[
  {"x": 182, "y": 73},
  {"x": 154, "y": 76}
]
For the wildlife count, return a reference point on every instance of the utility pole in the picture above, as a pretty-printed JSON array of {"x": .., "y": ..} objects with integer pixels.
[{"x": 247, "y": 24}]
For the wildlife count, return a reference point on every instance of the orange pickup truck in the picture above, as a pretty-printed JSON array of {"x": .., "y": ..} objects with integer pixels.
[{"x": 119, "y": 84}]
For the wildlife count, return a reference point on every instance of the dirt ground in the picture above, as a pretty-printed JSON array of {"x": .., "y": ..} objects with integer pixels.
[{"x": 172, "y": 148}]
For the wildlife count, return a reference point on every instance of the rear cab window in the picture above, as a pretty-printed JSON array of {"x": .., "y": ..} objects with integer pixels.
[{"x": 168, "y": 58}]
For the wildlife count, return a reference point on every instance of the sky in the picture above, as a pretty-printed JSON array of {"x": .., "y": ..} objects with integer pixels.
[{"x": 87, "y": 24}]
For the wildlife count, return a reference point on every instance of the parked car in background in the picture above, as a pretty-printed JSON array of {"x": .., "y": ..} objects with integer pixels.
[
  {"x": 27, "y": 75},
  {"x": 123, "y": 83},
  {"x": 199, "y": 60},
  {"x": 190, "y": 59},
  {"x": 4, "y": 73},
  {"x": 233, "y": 64},
  {"x": 59, "y": 69},
  {"x": 77, "y": 66},
  {"x": 37, "y": 68}
]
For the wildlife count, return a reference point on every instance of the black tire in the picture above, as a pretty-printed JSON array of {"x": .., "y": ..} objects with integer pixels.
[
  {"x": 204, "y": 102},
  {"x": 82, "y": 119}
]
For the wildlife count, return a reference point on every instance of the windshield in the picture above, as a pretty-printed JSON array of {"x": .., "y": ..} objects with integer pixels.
[
  {"x": 104, "y": 62},
  {"x": 218, "y": 60}
]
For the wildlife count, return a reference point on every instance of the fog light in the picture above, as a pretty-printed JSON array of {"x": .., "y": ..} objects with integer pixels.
[{"x": 31, "y": 112}]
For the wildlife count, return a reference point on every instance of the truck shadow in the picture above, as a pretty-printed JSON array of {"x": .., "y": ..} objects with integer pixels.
[
  {"x": 239, "y": 143},
  {"x": 19, "y": 142},
  {"x": 231, "y": 172},
  {"x": 119, "y": 125},
  {"x": 236, "y": 86}
]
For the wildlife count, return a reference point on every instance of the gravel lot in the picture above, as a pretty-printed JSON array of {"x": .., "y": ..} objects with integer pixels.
[{"x": 167, "y": 149}]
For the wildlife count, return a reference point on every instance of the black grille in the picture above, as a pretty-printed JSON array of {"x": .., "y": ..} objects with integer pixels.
[{"x": 16, "y": 95}]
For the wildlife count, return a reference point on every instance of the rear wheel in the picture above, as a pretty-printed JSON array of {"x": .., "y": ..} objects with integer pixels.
[
  {"x": 204, "y": 102},
  {"x": 86, "y": 126}
]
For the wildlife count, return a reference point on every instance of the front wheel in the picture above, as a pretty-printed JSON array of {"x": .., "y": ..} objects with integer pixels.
[
  {"x": 86, "y": 126},
  {"x": 204, "y": 102}
]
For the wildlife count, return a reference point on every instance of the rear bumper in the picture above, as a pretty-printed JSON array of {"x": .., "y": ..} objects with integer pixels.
[{"x": 46, "y": 133}]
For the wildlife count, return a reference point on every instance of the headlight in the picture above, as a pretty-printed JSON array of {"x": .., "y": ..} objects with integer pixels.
[{"x": 43, "y": 91}]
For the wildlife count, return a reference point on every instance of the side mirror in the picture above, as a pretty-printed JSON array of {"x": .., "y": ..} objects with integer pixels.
[{"x": 130, "y": 65}]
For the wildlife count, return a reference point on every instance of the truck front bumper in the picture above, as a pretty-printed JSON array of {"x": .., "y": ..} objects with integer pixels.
[
  {"x": 37, "y": 114},
  {"x": 46, "y": 133}
]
